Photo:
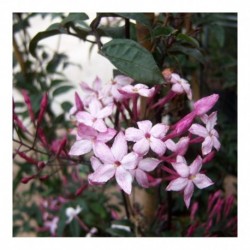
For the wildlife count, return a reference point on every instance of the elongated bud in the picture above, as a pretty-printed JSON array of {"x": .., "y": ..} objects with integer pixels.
[
  {"x": 203, "y": 105},
  {"x": 27, "y": 158},
  {"x": 42, "y": 137},
  {"x": 81, "y": 189},
  {"x": 61, "y": 146},
  {"x": 209, "y": 157},
  {"x": 78, "y": 102},
  {"x": 28, "y": 103},
  {"x": 27, "y": 179},
  {"x": 43, "y": 106},
  {"x": 41, "y": 165},
  {"x": 19, "y": 123}
]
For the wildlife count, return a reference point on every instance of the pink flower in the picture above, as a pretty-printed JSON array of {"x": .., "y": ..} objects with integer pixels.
[
  {"x": 94, "y": 118},
  {"x": 114, "y": 161},
  {"x": 138, "y": 89},
  {"x": 188, "y": 176},
  {"x": 147, "y": 137},
  {"x": 180, "y": 85},
  {"x": 209, "y": 133},
  {"x": 179, "y": 148},
  {"x": 52, "y": 225},
  {"x": 144, "y": 166},
  {"x": 203, "y": 105},
  {"x": 87, "y": 137}
]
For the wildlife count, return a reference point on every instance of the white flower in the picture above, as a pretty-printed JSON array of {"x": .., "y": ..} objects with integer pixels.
[{"x": 71, "y": 213}]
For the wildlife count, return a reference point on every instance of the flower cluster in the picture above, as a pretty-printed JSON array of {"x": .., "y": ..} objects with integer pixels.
[{"x": 113, "y": 125}]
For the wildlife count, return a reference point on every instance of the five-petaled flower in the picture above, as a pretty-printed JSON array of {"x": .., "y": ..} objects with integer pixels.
[
  {"x": 188, "y": 176},
  {"x": 71, "y": 213},
  {"x": 209, "y": 133},
  {"x": 114, "y": 161},
  {"x": 138, "y": 89},
  {"x": 147, "y": 137}
]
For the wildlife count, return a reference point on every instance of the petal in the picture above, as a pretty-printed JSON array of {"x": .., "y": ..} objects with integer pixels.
[
  {"x": 188, "y": 192},
  {"x": 103, "y": 173},
  {"x": 95, "y": 162},
  {"x": 105, "y": 112},
  {"x": 182, "y": 169},
  {"x": 158, "y": 146},
  {"x": 100, "y": 125},
  {"x": 177, "y": 184},
  {"x": 94, "y": 107},
  {"x": 159, "y": 130},
  {"x": 171, "y": 145},
  {"x": 145, "y": 126},
  {"x": 133, "y": 134},
  {"x": 148, "y": 164},
  {"x": 122, "y": 80},
  {"x": 130, "y": 160},
  {"x": 97, "y": 84},
  {"x": 175, "y": 78},
  {"x": 81, "y": 147},
  {"x": 216, "y": 142},
  {"x": 124, "y": 179},
  {"x": 202, "y": 181},
  {"x": 128, "y": 89},
  {"x": 182, "y": 145},
  {"x": 195, "y": 167},
  {"x": 84, "y": 117},
  {"x": 86, "y": 132},
  {"x": 119, "y": 147},
  {"x": 177, "y": 88},
  {"x": 181, "y": 159},
  {"x": 211, "y": 121},
  {"x": 86, "y": 89},
  {"x": 197, "y": 129},
  {"x": 141, "y": 147},
  {"x": 141, "y": 178},
  {"x": 145, "y": 91},
  {"x": 103, "y": 152},
  {"x": 106, "y": 136},
  {"x": 207, "y": 145}
]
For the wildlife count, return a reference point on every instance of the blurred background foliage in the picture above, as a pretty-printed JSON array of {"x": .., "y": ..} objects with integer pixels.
[{"x": 201, "y": 47}]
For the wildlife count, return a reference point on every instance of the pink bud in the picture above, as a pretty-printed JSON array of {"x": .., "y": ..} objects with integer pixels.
[
  {"x": 27, "y": 179},
  {"x": 209, "y": 157},
  {"x": 43, "y": 106},
  {"x": 78, "y": 102},
  {"x": 203, "y": 105},
  {"x": 61, "y": 146},
  {"x": 27, "y": 158},
  {"x": 28, "y": 103},
  {"x": 81, "y": 189},
  {"x": 42, "y": 137},
  {"x": 19, "y": 123},
  {"x": 41, "y": 165},
  {"x": 194, "y": 209}
]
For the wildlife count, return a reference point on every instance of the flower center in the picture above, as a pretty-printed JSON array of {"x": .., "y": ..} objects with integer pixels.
[
  {"x": 117, "y": 164},
  {"x": 191, "y": 177},
  {"x": 147, "y": 135}
]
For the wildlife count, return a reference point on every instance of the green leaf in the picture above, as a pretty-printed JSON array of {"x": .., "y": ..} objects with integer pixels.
[
  {"x": 66, "y": 106},
  {"x": 139, "y": 17},
  {"x": 61, "y": 90},
  {"x": 195, "y": 53},
  {"x": 163, "y": 31},
  {"x": 188, "y": 39},
  {"x": 74, "y": 228},
  {"x": 133, "y": 60},
  {"x": 74, "y": 17}
]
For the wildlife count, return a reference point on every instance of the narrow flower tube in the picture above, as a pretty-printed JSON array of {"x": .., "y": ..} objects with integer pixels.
[
  {"x": 44, "y": 103},
  {"x": 203, "y": 105},
  {"x": 78, "y": 102},
  {"x": 28, "y": 103}
]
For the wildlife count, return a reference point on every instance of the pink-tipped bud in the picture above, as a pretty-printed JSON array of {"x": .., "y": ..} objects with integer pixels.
[
  {"x": 28, "y": 103},
  {"x": 19, "y": 123},
  {"x": 81, "y": 189},
  {"x": 27, "y": 179},
  {"x": 78, "y": 102},
  {"x": 203, "y": 105},
  {"x": 41, "y": 165},
  {"x": 209, "y": 157},
  {"x": 27, "y": 158},
  {"x": 43, "y": 106},
  {"x": 42, "y": 137},
  {"x": 61, "y": 146},
  {"x": 44, "y": 178}
]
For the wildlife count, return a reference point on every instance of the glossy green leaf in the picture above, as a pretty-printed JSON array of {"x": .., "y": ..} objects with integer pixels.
[
  {"x": 74, "y": 17},
  {"x": 163, "y": 31},
  {"x": 193, "y": 52},
  {"x": 188, "y": 39},
  {"x": 61, "y": 90},
  {"x": 139, "y": 17},
  {"x": 133, "y": 60}
]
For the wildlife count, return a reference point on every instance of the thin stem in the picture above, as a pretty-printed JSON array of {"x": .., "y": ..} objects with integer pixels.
[{"x": 125, "y": 204}]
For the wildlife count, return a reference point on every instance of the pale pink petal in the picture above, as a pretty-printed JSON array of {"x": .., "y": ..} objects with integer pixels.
[
  {"x": 81, "y": 147},
  {"x": 122, "y": 80},
  {"x": 182, "y": 169},
  {"x": 197, "y": 129},
  {"x": 116, "y": 94},
  {"x": 211, "y": 122},
  {"x": 175, "y": 78},
  {"x": 207, "y": 145},
  {"x": 94, "y": 107},
  {"x": 171, "y": 145},
  {"x": 202, "y": 181},
  {"x": 145, "y": 126},
  {"x": 84, "y": 117},
  {"x": 177, "y": 184},
  {"x": 95, "y": 163},
  {"x": 148, "y": 164},
  {"x": 214, "y": 132},
  {"x": 106, "y": 136},
  {"x": 103, "y": 173},
  {"x": 97, "y": 84},
  {"x": 100, "y": 125},
  {"x": 119, "y": 148},
  {"x": 86, "y": 89},
  {"x": 159, "y": 130},
  {"x": 181, "y": 159},
  {"x": 141, "y": 147},
  {"x": 86, "y": 132},
  {"x": 103, "y": 152},
  {"x": 146, "y": 91},
  {"x": 158, "y": 146},
  {"x": 182, "y": 146},
  {"x": 141, "y": 178},
  {"x": 216, "y": 142},
  {"x": 177, "y": 88},
  {"x": 133, "y": 134},
  {"x": 130, "y": 160},
  {"x": 105, "y": 112},
  {"x": 204, "y": 118},
  {"x": 203, "y": 105},
  {"x": 188, "y": 192},
  {"x": 128, "y": 89},
  {"x": 124, "y": 179},
  {"x": 195, "y": 167},
  {"x": 186, "y": 87}
]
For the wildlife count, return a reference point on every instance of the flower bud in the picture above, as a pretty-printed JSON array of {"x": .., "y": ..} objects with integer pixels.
[
  {"x": 203, "y": 105},
  {"x": 78, "y": 102},
  {"x": 27, "y": 179},
  {"x": 28, "y": 103},
  {"x": 44, "y": 103}
]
